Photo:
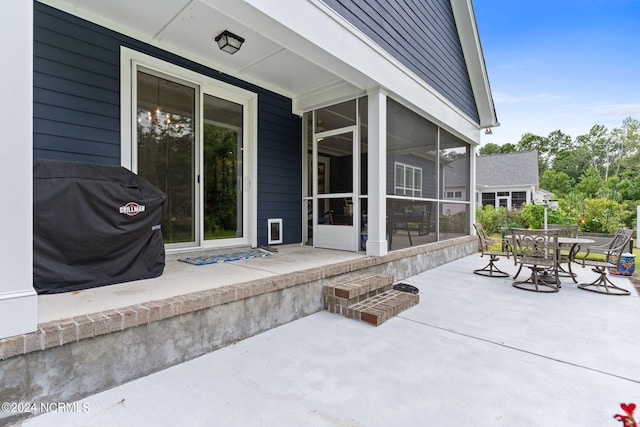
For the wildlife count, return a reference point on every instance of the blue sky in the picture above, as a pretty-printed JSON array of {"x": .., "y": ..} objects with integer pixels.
[{"x": 560, "y": 64}]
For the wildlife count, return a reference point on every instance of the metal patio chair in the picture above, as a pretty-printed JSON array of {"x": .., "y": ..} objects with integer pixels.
[
  {"x": 484, "y": 242},
  {"x": 612, "y": 251},
  {"x": 565, "y": 230},
  {"x": 537, "y": 250}
]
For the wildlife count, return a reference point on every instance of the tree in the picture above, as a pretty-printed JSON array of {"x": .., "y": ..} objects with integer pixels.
[
  {"x": 629, "y": 188},
  {"x": 559, "y": 183},
  {"x": 492, "y": 148},
  {"x": 557, "y": 141},
  {"x": 531, "y": 142},
  {"x": 600, "y": 148},
  {"x": 508, "y": 148},
  {"x": 627, "y": 139},
  {"x": 489, "y": 148},
  {"x": 590, "y": 183},
  {"x": 572, "y": 162}
]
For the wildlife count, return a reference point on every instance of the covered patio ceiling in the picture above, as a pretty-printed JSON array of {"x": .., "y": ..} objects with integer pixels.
[{"x": 273, "y": 56}]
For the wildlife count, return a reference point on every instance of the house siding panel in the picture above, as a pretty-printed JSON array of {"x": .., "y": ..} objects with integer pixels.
[
  {"x": 77, "y": 110},
  {"x": 432, "y": 50}
]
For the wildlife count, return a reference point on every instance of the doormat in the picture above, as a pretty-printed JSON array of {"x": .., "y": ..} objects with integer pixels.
[{"x": 215, "y": 259}]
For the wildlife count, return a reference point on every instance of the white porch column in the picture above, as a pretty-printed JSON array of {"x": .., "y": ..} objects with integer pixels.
[
  {"x": 473, "y": 189},
  {"x": 18, "y": 300},
  {"x": 377, "y": 177}
]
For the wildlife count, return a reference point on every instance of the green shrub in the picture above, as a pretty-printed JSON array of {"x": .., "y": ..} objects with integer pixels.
[
  {"x": 603, "y": 216},
  {"x": 513, "y": 219},
  {"x": 533, "y": 216},
  {"x": 490, "y": 218},
  {"x": 497, "y": 220}
]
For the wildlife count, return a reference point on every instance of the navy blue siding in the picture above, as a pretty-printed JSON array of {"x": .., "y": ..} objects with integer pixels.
[
  {"x": 422, "y": 36},
  {"x": 279, "y": 169},
  {"x": 77, "y": 110}
]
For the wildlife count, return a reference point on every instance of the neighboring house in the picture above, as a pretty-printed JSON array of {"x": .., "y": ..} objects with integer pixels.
[
  {"x": 335, "y": 106},
  {"x": 508, "y": 180}
]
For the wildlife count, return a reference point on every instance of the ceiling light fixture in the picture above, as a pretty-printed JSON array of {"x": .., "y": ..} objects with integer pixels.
[{"x": 229, "y": 42}]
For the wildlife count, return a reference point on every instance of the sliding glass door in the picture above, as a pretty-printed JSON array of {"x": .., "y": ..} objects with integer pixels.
[
  {"x": 166, "y": 150},
  {"x": 190, "y": 144},
  {"x": 223, "y": 189}
]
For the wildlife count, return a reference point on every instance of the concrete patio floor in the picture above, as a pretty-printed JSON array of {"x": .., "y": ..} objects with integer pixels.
[{"x": 475, "y": 351}]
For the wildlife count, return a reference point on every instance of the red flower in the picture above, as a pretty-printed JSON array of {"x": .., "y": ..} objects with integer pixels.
[{"x": 627, "y": 419}]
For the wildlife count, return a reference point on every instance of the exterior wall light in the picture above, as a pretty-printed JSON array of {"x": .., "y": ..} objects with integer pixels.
[{"x": 229, "y": 42}]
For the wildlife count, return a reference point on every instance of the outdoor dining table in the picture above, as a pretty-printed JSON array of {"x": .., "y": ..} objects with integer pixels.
[
  {"x": 574, "y": 246},
  {"x": 573, "y": 243}
]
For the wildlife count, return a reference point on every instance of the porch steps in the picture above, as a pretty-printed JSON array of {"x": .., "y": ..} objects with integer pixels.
[{"x": 368, "y": 297}]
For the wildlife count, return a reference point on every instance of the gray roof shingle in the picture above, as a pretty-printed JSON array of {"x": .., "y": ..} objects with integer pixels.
[{"x": 511, "y": 169}]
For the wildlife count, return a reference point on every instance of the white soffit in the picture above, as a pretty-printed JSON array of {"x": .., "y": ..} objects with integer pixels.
[
  {"x": 301, "y": 49},
  {"x": 195, "y": 28},
  {"x": 189, "y": 27},
  {"x": 143, "y": 16},
  {"x": 325, "y": 37},
  {"x": 259, "y": 60}
]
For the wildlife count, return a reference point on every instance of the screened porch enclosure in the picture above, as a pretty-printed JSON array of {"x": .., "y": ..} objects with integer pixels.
[{"x": 428, "y": 176}]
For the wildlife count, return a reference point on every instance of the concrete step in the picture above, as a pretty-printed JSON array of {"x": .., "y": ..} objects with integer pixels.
[{"x": 367, "y": 297}]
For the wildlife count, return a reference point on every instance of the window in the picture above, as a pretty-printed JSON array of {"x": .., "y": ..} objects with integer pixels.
[
  {"x": 518, "y": 199},
  {"x": 488, "y": 199},
  {"x": 453, "y": 195},
  {"x": 408, "y": 180}
]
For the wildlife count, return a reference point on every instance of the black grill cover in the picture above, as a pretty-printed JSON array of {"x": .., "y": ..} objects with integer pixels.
[{"x": 94, "y": 225}]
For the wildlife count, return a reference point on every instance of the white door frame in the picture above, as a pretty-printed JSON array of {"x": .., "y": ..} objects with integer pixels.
[
  {"x": 505, "y": 198},
  {"x": 130, "y": 60},
  {"x": 331, "y": 236}
]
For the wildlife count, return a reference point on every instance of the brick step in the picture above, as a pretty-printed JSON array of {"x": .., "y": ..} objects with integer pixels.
[
  {"x": 359, "y": 285},
  {"x": 338, "y": 296},
  {"x": 382, "y": 307}
]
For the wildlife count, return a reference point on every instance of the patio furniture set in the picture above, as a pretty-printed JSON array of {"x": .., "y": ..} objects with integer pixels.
[{"x": 545, "y": 252}]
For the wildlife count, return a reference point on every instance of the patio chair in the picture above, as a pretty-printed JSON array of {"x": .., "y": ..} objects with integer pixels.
[
  {"x": 484, "y": 242},
  {"x": 538, "y": 251},
  {"x": 409, "y": 217},
  {"x": 565, "y": 230},
  {"x": 613, "y": 252}
]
